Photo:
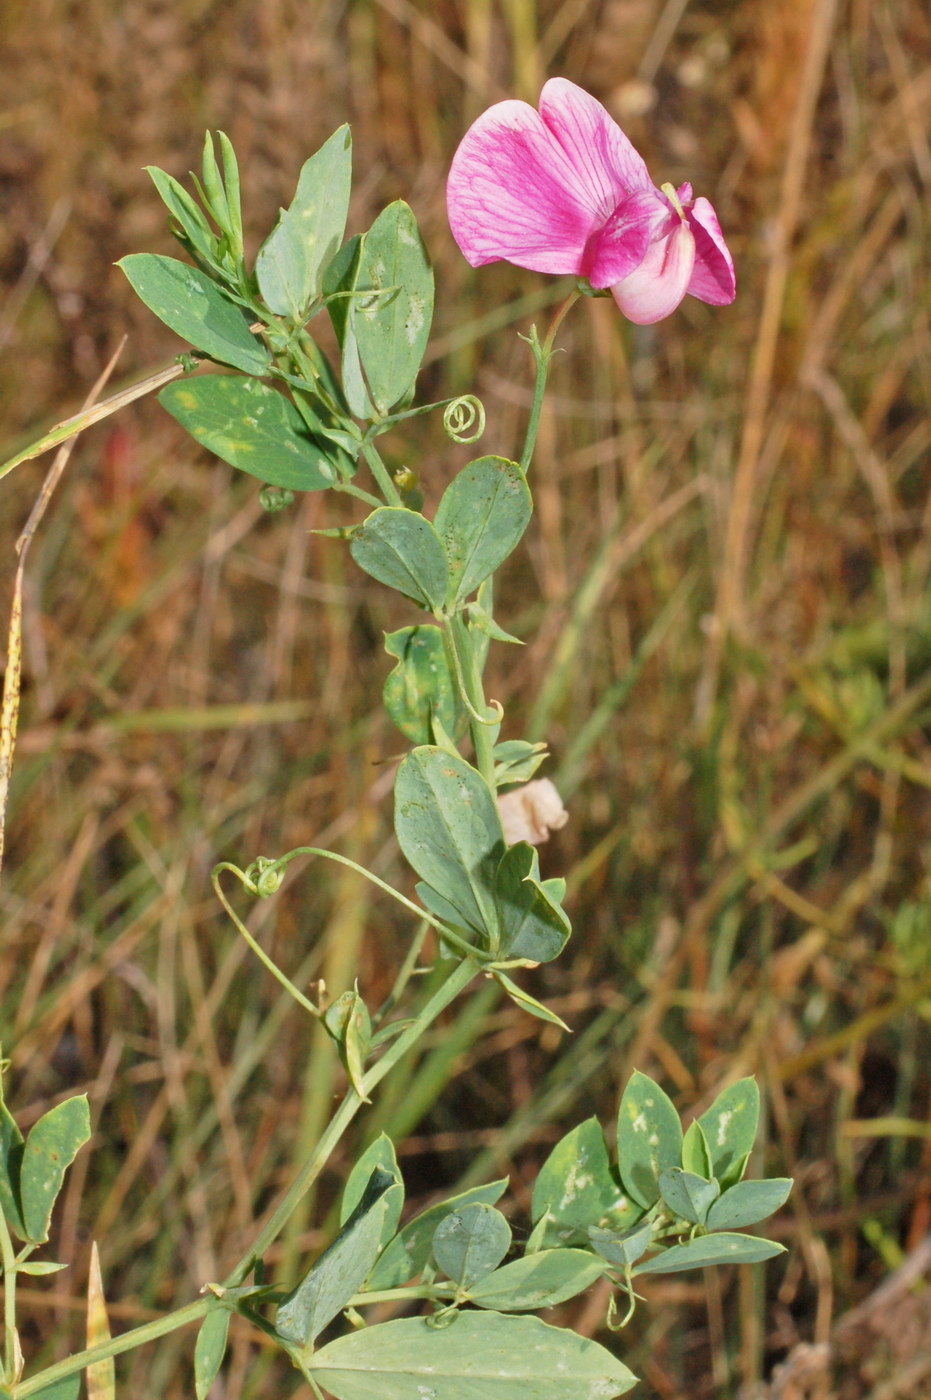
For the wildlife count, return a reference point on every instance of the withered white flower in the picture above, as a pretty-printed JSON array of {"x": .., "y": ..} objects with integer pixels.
[{"x": 531, "y": 812}]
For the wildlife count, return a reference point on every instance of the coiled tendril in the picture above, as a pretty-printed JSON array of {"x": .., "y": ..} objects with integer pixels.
[{"x": 460, "y": 416}]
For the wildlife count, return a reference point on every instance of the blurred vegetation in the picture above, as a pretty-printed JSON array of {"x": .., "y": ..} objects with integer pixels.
[{"x": 726, "y": 598}]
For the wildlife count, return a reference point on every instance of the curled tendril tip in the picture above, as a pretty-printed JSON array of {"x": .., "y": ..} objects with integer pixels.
[{"x": 461, "y": 416}]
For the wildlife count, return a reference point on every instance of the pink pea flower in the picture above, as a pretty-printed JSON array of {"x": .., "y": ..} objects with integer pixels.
[{"x": 562, "y": 190}]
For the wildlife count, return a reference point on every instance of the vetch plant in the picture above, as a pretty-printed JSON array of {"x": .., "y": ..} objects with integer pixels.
[{"x": 660, "y": 1199}]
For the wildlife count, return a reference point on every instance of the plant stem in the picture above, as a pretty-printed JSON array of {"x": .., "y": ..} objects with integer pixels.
[
  {"x": 456, "y": 982},
  {"x": 381, "y": 474},
  {"x": 135, "y": 1337},
  {"x": 406, "y": 972},
  {"x": 542, "y": 354},
  {"x": 458, "y": 979},
  {"x": 259, "y": 951},
  {"x": 8, "y": 1258},
  {"x": 480, "y": 727}
]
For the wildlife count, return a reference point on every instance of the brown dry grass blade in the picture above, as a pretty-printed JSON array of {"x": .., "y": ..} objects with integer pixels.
[
  {"x": 9, "y": 707},
  {"x": 101, "y": 1376}
]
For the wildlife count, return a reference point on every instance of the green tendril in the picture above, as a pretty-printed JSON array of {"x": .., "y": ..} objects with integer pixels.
[{"x": 460, "y": 417}]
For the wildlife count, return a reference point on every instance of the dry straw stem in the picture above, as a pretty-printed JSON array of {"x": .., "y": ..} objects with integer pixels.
[{"x": 9, "y": 709}]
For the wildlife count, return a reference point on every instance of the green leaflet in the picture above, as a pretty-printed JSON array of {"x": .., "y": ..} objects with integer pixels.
[
  {"x": 747, "y": 1202},
  {"x": 381, "y": 1154},
  {"x": 392, "y": 322},
  {"x": 190, "y": 225},
  {"x": 448, "y": 827},
  {"x": 480, "y": 521},
  {"x": 51, "y": 1147},
  {"x": 308, "y": 234},
  {"x": 532, "y": 924},
  {"x": 210, "y": 1349},
  {"x": 696, "y": 1156},
  {"x": 710, "y": 1249},
  {"x": 479, "y": 1356},
  {"x": 538, "y": 1280},
  {"x": 255, "y": 428},
  {"x": 575, "y": 1187},
  {"x": 730, "y": 1127},
  {"x": 195, "y": 309},
  {"x": 470, "y": 1242},
  {"x": 408, "y": 1253},
  {"x": 340, "y": 281},
  {"x": 400, "y": 548},
  {"x": 340, "y": 1270},
  {"x": 687, "y": 1196},
  {"x": 649, "y": 1138},
  {"x": 422, "y": 687}
]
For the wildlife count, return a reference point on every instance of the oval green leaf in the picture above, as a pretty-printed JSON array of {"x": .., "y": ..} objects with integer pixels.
[
  {"x": 381, "y": 1154},
  {"x": 711, "y": 1249},
  {"x": 308, "y": 234},
  {"x": 575, "y": 1187},
  {"x": 51, "y": 1147},
  {"x": 422, "y": 686},
  {"x": 470, "y": 1242},
  {"x": 538, "y": 1280},
  {"x": 696, "y": 1156},
  {"x": 688, "y": 1196},
  {"x": 649, "y": 1138},
  {"x": 622, "y": 1249},
  {"x": 400, "y": 548},
  {"x": 480, "y": 521},
  {"x": 392, "y": 326},
  {"x": 730, "y": 1127},
  {"x": 210, "y": 1349},
  {"x": 408, "y": 1253},
  {"x": 193, "y": 306},
  {"x": 340, "y": 1270},
  {"x": 253, "y": 427},
  {"x": 747, "y": 1202},
  {"x": 531, "y": 922},
  {"x": 449, "y": 829},
  {"x": 479, "y": 1356}
]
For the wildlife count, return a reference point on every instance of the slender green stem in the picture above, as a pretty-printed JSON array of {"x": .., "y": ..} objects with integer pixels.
[
  {"x": 458, "y": 979},
  {"x": 8, "y": 1259},
  {"x": 405, "y": 974},
  {"x": 259, "y": 951},
  {"x": 349, "y": 488},
  {"x": 542, "y": 354},
  {"x": 381, "y": 474},
  {"x": 449, "y": 934},
  {"x": 128, "y": 1341},
  {"x": 480, "y": 728}
]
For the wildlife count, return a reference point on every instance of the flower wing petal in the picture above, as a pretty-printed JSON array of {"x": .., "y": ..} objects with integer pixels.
[
  {"x": 712, "y": 277},
  {"x": 604, "y": 161},
  {"x": 620, "y": 247},
  {"x": 513, "y": 193},
  {"x": 657, "y": 286}
]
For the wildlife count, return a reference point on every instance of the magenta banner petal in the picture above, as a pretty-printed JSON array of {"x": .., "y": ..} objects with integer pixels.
[
  {"x": 513, "y": 193},
  {"x": 661, "y": 280},
  {"x": 599, "y": 151},
  {"x": 712, "y": 277}
]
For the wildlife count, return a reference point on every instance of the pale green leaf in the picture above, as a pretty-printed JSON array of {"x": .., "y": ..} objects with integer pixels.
[
  {"x": 196, "y": 309},
  {"x": 479, "y": 1356}
]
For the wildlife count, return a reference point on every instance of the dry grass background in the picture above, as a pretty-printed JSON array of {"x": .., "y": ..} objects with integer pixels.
[{"x": 726, "y": 592}]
